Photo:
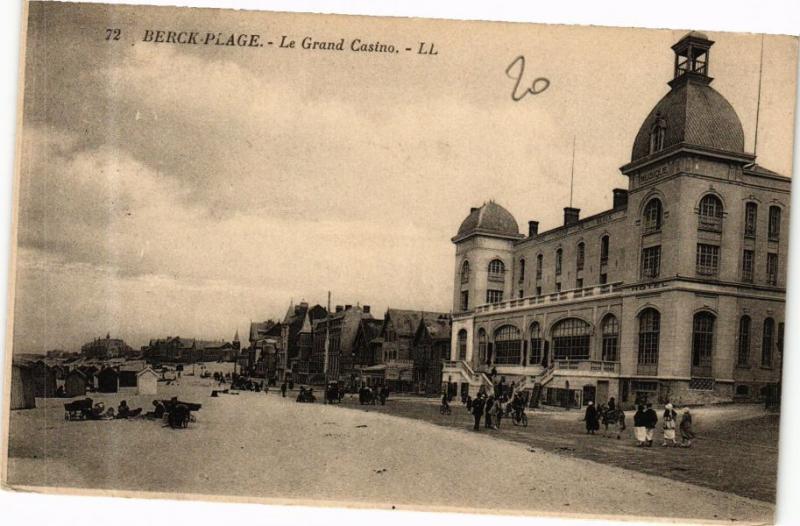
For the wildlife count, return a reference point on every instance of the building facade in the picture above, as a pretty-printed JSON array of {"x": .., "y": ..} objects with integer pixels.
[
  {"x": 333, "y": 344},
  {"x": 675, "y": 294}
]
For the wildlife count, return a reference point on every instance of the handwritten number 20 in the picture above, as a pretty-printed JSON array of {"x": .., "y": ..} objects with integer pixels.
[
  {"x": 113, "y": 34},
  {"x": 537, "y": 86}
]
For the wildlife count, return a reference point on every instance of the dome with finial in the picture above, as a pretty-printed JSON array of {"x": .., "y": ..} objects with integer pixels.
[
  {"x": 490, "y": 219},
  {"x": 692, "y": 113}
]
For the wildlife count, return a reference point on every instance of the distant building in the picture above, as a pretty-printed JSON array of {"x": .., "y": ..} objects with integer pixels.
[
  {"x": 431, "y": 345},
  {"x": 398, "y": 332},
  {"x": 333, "y": 338},
  {"x": 217, "y": 351},
  {"x": 295, "y": 347},
  {"x": 105, "y": 348},
  {"x": 172, "y": 350}
]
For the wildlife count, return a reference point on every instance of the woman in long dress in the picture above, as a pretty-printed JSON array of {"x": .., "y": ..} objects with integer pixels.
[
  {"x": 687, "y": 435},
  {"x": 591, "y": 419}
]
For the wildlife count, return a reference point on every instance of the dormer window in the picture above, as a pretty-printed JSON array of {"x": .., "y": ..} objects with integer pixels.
[{"x": 657, "y": 134}]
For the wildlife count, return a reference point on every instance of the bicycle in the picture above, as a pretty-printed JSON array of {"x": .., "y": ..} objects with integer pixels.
[{"x": 445, "y": 410}]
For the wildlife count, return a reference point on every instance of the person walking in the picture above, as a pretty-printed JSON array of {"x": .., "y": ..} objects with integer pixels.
[
  {"x": 687, "y": 434},
  {"x": 639, "y": 429},
  {"x": 487, "y": 422},
  {"x": 669, "y": 426},
  {"x": 283, "y": 389},
  {"x": 499, "y": 407},
  {"x": 651, "y": 420},
  {"x": 591, "y": 418},
  {"x": 477, "y": 412}
]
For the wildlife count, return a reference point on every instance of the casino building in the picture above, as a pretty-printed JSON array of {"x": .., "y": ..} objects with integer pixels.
[{"x": 676, "y": 293}]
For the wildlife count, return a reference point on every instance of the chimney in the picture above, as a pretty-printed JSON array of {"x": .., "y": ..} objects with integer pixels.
[
  {"x": 473, "y": 209},
  {"x": 365, "y": 308},
  {"x": 620, "y": 197},
  {"x": 339, "y": 308},
  {"x": 348, "y": 307},
  {"x": 533, "y": 228},
  {"x": 571, "y": 215}
]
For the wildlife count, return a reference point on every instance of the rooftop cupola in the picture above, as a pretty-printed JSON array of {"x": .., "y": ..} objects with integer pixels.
[{"x": 691, "y": 58}]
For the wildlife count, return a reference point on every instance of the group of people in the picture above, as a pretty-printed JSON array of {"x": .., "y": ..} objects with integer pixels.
[
  {"x": 645, "y": 421},
  {"x": 609, "y": 415},
  {"x": 371, "y": 396},
  {"x": 491, "y": 408}
]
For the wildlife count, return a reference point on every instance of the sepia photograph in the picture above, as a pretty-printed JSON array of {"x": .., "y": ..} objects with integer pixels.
[{"x": 399, "y": 263}]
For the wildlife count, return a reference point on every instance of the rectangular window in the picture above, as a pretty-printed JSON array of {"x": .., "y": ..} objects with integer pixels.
[
  {"x": 603, "y": 278},
  {"x": 538, "y": 291},
  {"x": 520, "y": 293},
  {"x": 579, "y": 283},
  {"x": 464, "y": 300},
  {"x": 774, "y": 231},
  {"x": 558, "y": 262},
  {"x": 707, "y": 259},
  {"x": 747, "y": 266},
  {"x": 772, "y": 269},
  {"x": 558, "y": 287},
  {"x": 651, "y": 262},
  {"x": 494, "y": 296},
  {"x": 539, "y": 261},
  {"x": 750, "y": 219}
]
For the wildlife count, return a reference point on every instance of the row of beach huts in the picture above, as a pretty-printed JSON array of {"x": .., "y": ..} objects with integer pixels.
[{"x": 38, "y": 379}]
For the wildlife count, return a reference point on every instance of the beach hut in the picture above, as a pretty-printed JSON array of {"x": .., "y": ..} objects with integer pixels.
[
  {"x": 75, "y": 383},
  {"x": 108, "y": 380},
  {"x": 44, "y": 380},
  {"x": 22, "y": 387},
  {"x": 147, "y": 382}
]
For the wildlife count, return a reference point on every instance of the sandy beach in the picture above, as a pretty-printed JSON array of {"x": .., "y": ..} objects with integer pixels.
[{"x": 261, "y": 446}]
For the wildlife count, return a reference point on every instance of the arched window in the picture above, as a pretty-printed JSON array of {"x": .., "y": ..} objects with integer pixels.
[
  {"x": 482, "y": 346},
  {"x": 507, "y": 345},
  {"x": 497, "y": 270},
  {"x": 522, "y": 270},
  {"x": 571, "y": 339},
  {"x": 537, "y": 344},
  {"x": 767, "y": 341},
  {"x": 465, "y": 272},
  {"x": 710, "y": 213},
  {"x": 743, "y": 354},
  {"x": 774, "y": 231},
  {"x": 652, "y": 216},
  {"x": 750, "y": 219},
  {"x": 539, "y": 264},
  {"x": 580, "y": 256},
  {"x": 610, "y": 339},
  {"x": 462, "y": 344},
  {"x": 649, "y": 330},
  {"x": 604, "y": 242},
  {"x": 702, "y": 344},
  {"x": 559, "y": 256}
]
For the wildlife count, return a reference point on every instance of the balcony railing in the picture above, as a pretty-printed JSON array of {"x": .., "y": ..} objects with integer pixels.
[
  {"x": 587, "y": 365},
  {"x": 497, "y": 277},
  {"x": 647, "y": 369},
  {"x": 555, "y": 297},
  {"x": 710, "y": 224}
]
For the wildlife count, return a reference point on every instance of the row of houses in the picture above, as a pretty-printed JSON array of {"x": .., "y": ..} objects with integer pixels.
[
  {"x": 175, "y": 349},
  {"x": 403, "y": 350}
]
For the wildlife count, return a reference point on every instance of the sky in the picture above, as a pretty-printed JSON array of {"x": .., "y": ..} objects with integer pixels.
[{"x": 187, "y": 190}]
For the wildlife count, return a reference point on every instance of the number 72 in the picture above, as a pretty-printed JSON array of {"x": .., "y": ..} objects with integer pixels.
[{"x": 113, "y": 34}]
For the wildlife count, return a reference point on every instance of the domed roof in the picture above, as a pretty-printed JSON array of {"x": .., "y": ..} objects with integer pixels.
[
  {"x": 491, "y": 219},
  {"x": 693, "y": 113}
]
